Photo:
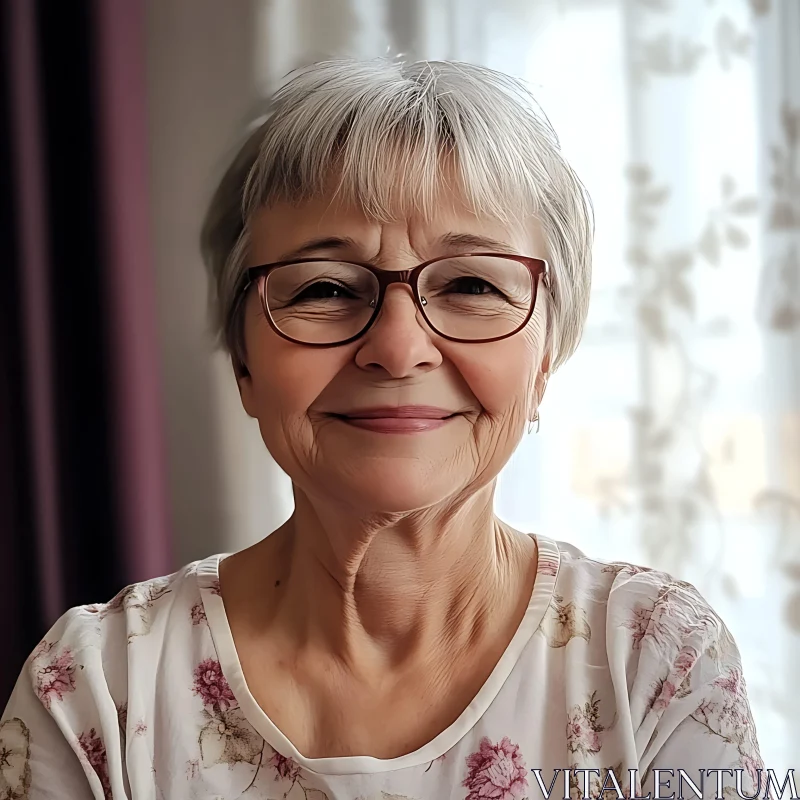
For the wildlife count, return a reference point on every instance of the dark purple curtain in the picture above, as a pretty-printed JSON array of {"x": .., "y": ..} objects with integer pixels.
[{"x": 82, "y": 478}]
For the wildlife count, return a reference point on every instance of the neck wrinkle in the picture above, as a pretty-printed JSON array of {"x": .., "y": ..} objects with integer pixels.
[{"x": 395, "y": 589}]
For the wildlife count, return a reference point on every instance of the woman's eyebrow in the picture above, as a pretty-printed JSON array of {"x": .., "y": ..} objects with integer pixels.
[
  {"x": 459, "y": 241},
  {"x": 322, "y": 243},
  {"x": 471, "y": 241}
]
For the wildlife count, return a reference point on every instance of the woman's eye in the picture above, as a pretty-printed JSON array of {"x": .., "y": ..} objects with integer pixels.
[
  {"x": 472, "y": 286},
  {"x": 323, "y": 290}
]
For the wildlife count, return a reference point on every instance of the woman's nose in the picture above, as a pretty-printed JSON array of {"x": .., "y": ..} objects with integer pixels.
[{"x": 399, "y": 341}]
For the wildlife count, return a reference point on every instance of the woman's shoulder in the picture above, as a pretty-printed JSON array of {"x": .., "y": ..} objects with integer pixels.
[
  {"x": 647, "y": 616},
  {"x": 625, "y": 581},
  {"x": 650, "y": 645},
  {"x": 135, "y": 607},
  {"x": 104, "y": 675},
  {"x": 121, "y": 641}
]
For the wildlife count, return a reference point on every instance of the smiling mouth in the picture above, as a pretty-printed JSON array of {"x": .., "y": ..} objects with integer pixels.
[
  {"x": 410, "y": 419},
  {"x": 399, "y": 412}
]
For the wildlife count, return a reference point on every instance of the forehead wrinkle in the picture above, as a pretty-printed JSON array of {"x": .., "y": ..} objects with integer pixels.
[{"x": 406, "y": 247}]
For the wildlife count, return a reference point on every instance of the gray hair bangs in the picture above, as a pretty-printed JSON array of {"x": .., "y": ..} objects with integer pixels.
[{"x": 395, "y": 135}]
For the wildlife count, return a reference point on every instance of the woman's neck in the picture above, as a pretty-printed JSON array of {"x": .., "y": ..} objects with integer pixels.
[{"x": 388, "y": 590}]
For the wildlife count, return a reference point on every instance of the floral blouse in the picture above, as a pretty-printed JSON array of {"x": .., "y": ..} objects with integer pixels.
[{"x": 615, "y": 670}]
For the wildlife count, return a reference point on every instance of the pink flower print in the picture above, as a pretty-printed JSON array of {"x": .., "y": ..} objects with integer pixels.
[
  {"x": 564, "y": 621},
  {"x": 685, "y": 660},
  {"x": 56, "y": 677},
  {"x": 578, "y": 782},
  {"x": 119, "y": 599},
  {"x": 215, "y": 587},
  {"x": 286, "y": 768},
  {"x": 228, "y": 738},
  {"x": 623, "y": 568},
  {"x": 547, "y": 566},
  {"x": 136, "y": 601},
  {"x": 440, "y": 758},
  {"x": 212, "y": 686},
  {"x": 140, "y": 729},
  {"x": 95, "y": 751},
  {"x": 751, "y": 766},
  {"x": 735, "y": 711},
  {"x": 140, "y": 596},
  {"x": 707, "y": 709},
  {"x": 496, "y": 771},
  {"x": 695, "y": 615},
  {"x": 663, "y": 695},
  {"x": 639, "y": 623},
  {"x": 198, "y": 614},
  {"x": 676, "y": 684},
  {"x": 15, "y": 754},
  {"x": 754, "y": 765},
  {"x": 584, "y": 727},
  {"x": 581, "y": 737},
  {"x": 626, "y": 790},
  {"x": 43, "y": 648},
  {"x": 730, "y": 683}
]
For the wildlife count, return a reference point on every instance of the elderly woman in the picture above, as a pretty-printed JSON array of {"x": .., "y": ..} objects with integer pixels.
[{"x": 400, "y": 258}]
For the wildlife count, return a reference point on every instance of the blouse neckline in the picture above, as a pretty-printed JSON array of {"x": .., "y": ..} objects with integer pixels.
[{"x": 548, "y": 562}]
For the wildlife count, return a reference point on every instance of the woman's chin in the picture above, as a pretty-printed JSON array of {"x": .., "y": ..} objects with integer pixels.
[{"x": 394, "y": 488}]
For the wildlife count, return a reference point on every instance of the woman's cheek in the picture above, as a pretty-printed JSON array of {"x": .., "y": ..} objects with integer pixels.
[
  {"x": 500, "y": 379},
  {"x": 296, "y": 378}
]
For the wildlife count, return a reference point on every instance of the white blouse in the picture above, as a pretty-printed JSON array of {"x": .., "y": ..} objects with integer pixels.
[{"x": 614, "y": 667}]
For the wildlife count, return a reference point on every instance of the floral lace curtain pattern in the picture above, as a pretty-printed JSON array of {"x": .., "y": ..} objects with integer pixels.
[{"x": 673, "y": 436}]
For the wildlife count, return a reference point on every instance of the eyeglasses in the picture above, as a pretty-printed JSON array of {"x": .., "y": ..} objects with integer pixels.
[{"x": 473, "y": 297}]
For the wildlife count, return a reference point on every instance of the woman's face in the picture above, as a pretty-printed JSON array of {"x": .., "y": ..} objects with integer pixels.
[{"x": 300, "y": 394}]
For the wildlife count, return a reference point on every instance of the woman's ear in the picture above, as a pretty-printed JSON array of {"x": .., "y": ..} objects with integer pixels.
[
  {"x": 545, "y": 368},
  {"x": 245, "y": 383},
  {"x": 540, "y": 384}
]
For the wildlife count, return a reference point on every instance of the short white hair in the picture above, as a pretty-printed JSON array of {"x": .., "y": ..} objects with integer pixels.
[{"x": 386, "y": 129}]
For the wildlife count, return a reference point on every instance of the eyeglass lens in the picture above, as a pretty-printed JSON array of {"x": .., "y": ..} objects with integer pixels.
[{"x": 467, "y": 297}]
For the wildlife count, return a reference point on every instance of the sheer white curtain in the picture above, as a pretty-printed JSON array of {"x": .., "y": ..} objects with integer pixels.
[{"x": 672, "y": 438}]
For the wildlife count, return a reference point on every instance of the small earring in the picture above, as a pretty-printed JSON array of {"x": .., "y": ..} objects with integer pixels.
[{"x": 536, "y": 420}]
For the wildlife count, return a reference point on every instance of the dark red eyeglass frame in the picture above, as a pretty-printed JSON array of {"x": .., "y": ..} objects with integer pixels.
[{"x": 538, "y": 268}]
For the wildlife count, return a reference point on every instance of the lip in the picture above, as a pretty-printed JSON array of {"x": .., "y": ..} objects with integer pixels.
[
  {"x": 398, "y": 419},
  {"x": 398, "y": 412}
]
